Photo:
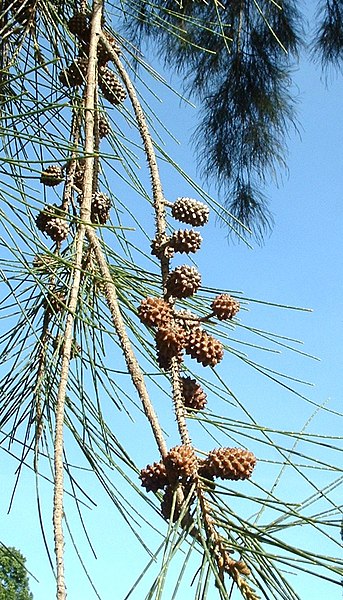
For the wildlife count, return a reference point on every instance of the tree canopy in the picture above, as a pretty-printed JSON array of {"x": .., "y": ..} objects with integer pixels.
[{"x": 14, "y": 582}]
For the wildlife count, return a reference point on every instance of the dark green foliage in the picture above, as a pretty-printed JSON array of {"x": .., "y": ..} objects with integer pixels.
[
  {"x": 14, "y": 583},
  {"x": 328, "y": 40}
]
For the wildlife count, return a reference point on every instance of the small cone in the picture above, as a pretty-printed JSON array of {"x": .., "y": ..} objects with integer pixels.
[
  {"x": 75, "y": 74},
  {"x": 51, "y": 222},
  {"x": 194, "y": 396},
  {"x": 190, "y": 211},
  {"x": 181, "y": 460},
  {"x": 52, "y": 175},
  {"x": 154, "y": 312},
  {"x": 154, "y": 477},
  {"x": 230, "y": 463},
  {"x": 186, "y": 240},
  {"x": 225, "y": 307},
  {"x": 111, "y": 87},
  {"x": 183, "y": 282},
  {"x": 204, "y": 348}
]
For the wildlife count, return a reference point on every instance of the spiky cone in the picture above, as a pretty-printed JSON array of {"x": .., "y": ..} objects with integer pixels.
[
  {"x": 225, "y": 307},
  {"x": 52, "y": 175},
  {"x": 190, "y": 211},
  {"x": 204, "y": 348},
  {"x": 103, "y": 128},
  {"x": 51, "y": 222},
  {"x": 79, "y": 173},
  {"x": 164, "y": 359},
  {"x": 181, "y": 461},
  {"x": 185, "y": 240},
  {"x": 193, "y": 395},
  {"x": 160, "y": 247},
  {"x": 230, "y": 463},
  {"x": 75, "y": 74},
  {"x": 79, "y": 25},
  {"x": 154, "y": 477},
  {"x": 100, "y": 208},
  {"x": 170, "y": 339},
  {"x": 183, "y": 282},
  {"x": 111, "y": 87},
  {"x": 154, "y": 312}
]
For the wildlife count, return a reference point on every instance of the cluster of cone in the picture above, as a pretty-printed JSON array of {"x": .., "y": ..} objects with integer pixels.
[
  {"x": 181, "y": 466},
  {"x": 75, "y": 74},
  {"x": 52, "y": 220},
  {"x": 174, "y": 334}
]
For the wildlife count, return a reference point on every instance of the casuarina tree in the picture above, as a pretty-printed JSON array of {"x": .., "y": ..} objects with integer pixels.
[{"x": 106, "y": 311}]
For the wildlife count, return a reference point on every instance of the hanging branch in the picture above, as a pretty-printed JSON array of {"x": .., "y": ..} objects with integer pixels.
[{"x": 73, "y": 299}]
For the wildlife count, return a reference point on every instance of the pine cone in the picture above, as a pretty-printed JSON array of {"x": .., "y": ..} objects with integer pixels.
[
  {"x": 165, "y": 360},
  {"x": 204, "y": 348},
  {"x": 230, "y": 463},
  {"x": 79, "y": 173},
  {"x": 154, "y": 312},
  {"x": 186, "y": 240},
  {"x": 160, "y": 247},
  {"x": 103, "y": 127},
  {"x": 75, "y": 74},
  {"x": 225, "y": 307},
  {"x": 53, "y": 175},
  {"x": 190, "y": 211},
  {"x": 100, "y": 208},
  {"x": 111, "y": 87},
  {"x": 51, "y": 222},
  {"x": 184, "y": 281},
  {"x": 154, "y": 477},
  {"x": 181, "y": 460},
  {"x": 194, "y": 396},
  {"x": 170, "y": 339},
  {"x": 79, "y": 25}
]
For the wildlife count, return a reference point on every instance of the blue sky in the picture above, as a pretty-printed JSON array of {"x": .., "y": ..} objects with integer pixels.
[{"x": 300, "y": 264}]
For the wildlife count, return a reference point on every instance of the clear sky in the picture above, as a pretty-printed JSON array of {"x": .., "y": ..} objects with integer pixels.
[{"x": 300, "y": 264}]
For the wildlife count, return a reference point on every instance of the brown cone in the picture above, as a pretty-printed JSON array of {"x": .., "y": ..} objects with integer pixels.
[
  {"x": 154, "y": 312},
  {"x": 52, "y": 175},
  {"x": 75, "y": 74},
  {"x": 183, "y": 282},
  {"x": 194, "y": 396},
  {"x": 190, "y": 211},
  {"x": 154, "y": 477},
  {"x": 79, "y": 26},
  {"x": 225, "y": 307},
  {"x": 186, "y": 240},
  {"x": 111, "y": 87},
  {"x": 51, "y": 222},
  {"x": 181, "y": 460},
  {"x": 100, "y": 208},
  {"x": 170, "y": 339},
  {"x": 230, "y": 463},
  {"x": 204, "y": 348},
  {"x": 104, "y": 128}
]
